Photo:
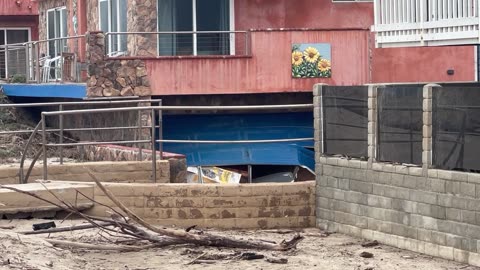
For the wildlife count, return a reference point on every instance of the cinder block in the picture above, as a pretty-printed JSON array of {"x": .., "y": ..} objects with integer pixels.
[
  {"x": 467, "y": 189},
  {"x": 427, "y": 105},
  {"x": 459, "y": 176},
  {"x": 427, "y": 118},
  {"x": 377, "y": 166},
  {"x": 473, "y": 178},
  {"x": 189, "y": 202},
  {"x": 411, "y": 181},
  {"x": 445, "y": 252},
  {"x": 423, "y": 196},
  {"x": 398, "y": 179},
  {"x": 444, "y": 174},
  {"x": 385, "y": 178},
  {"x": 452, "y": 187},
  {"x": 428, "y": 91},
  {"x": 474, "y": 259},
  {"x": 432, "y": 173},
  {"x": 438, "y": 185},
  {"x": 344, "y": 184},
  {"x": 379, "y": 201},
  {"x": 332, "y": 161},
  {"x": 431, "y": 249},
  {"x": 372, "y": 176},
  {"x": 453, "y": 214},
  {"x": 202, "y": 191},
  {"x": 469, "y": 217},
  {"x": 360, "y": 186},
  {"x": 166, "y": 190},
  {"x": 415, "y": 171},
  {"x": 159, "y": 213},
  {"x": 356, "y": 197},
  {"x": 123, "y": 190},
  {"x": 460, "y": 255}
]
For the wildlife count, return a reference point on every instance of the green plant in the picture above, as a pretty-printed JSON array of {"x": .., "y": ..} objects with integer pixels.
[{"x": 18, "y": 78}]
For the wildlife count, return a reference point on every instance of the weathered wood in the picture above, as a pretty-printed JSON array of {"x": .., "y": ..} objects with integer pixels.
[{"x": 69, "y": 229}]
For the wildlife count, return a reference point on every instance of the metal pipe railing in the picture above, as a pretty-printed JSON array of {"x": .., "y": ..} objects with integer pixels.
[{"x": 153, "y": 141}]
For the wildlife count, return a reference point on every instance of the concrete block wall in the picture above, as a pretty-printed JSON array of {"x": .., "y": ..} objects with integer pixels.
[
  {"x": 418, "y": 208},
  {"x": 127, "y": 172},
  {"x": 250, "y": 206}
]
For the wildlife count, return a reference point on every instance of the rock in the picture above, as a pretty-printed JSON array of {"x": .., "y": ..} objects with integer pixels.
[
  {"x": 127, "y": 91},
  {"x": 122, "y": 82},
  {"x": 277, "y": 260},
  {"x": 92, "y": 81},
  {"x": 142, "y": 91},
  {"x": 108, "y": 83},
  {"x": 95, "y": 91},
  {"x": 141, "y": 72},
  {"x": 366, "y": 254},
  {"x": 110, "y": 92}
]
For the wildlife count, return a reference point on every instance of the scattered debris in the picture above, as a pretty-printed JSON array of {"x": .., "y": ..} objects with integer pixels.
[
  {"x": 366, "y": 254},
  {"x": 44, "y": 226},
  {"x": 277, "y": 260},
  {"x": 251, "y": 256},
  {"x": 371, "y": 244},
  {"x": 7, "y": 227},
  {"x": 408, "y": 257}
]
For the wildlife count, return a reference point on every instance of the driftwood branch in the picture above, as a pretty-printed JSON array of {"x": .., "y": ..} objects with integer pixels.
[
  {"x": 68, "y": 229},
  {"x": 203, "y": 239}
]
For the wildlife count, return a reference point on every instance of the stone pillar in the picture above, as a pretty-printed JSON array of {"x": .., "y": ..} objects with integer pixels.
[
  {"x": 372, "y": 123},
  {"x": 427, "y": 143},
  {"x": 96, "y": 63}
]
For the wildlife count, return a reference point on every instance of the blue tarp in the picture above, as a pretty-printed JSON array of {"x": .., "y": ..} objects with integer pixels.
[
  {"x": 242, "y": 127},
  {"x": 50, "y": 90}
]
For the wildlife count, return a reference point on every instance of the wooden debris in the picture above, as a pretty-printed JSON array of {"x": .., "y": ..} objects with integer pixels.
[
  {"x": 277, "y": 260},
  {"x": 371, "y": 244}
]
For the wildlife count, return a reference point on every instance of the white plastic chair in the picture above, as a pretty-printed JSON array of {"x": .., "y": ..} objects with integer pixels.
[
  {"x": 47, "y": 67},
  {"x": 116, "y": 54}
]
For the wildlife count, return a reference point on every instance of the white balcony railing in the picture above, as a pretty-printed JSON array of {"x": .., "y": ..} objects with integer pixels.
[{"x": 401, "y": 23}]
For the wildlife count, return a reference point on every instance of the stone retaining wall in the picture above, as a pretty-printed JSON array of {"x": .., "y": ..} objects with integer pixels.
[
  {"x": 127, "y": 172},
  {"x": 290, "y": 205},
  {"x": 435, "y": 212}
]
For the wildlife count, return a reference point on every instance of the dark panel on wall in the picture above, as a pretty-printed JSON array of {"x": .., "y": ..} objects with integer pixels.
[
  {"x": 456, "y": 127},
  {"x": 400, "y": 116},
  {"x": 345, "y": 114}
]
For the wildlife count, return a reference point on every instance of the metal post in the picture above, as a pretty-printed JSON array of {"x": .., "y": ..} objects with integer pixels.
[
  {"x": 37, "y": 65},
  {"x": 60, "y": 125},
  {"x": 154, "y": 152},
  {"x": 247, "y": 43},
  {"x": 27, "y": 62},
  {"x": 44, "y": 148},
  {"x": 200, "y": 177},
  {"x": 160, "y": 130},
  {"x": 250, "y": 174},
  {"x": 6, "y": 61},
  {"x": 139, "y": 137}
]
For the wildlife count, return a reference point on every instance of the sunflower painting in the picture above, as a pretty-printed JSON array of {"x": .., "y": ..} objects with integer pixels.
[{"x": 311, "y": 60}]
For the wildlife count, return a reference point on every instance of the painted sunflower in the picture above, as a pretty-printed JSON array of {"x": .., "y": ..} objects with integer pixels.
[
  {"x": 297, "y": 58},
  {"x": 311, "y": 54},
  {"x": 324, "y": 65}
]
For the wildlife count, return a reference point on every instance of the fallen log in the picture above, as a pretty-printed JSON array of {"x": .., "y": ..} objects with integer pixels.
[
  {"x": 63, "y": 243},
  {"x": 68, "y": 229},
  {"x": 203, "y": 239}
]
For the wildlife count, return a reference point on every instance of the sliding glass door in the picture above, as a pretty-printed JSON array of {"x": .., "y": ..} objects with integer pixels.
[
  {"x": 113, "y": 18},
  {"x": 193, "y": 16},
  {"x": 56, "y": 28}
]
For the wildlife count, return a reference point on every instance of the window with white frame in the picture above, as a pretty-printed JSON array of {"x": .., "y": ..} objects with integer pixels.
[
  {"x": 352, "y": 1},
  {"x": 56, "y": 28},
  {"x": 13, "y": 58},
  {"x": 113, "y": 18},
  {"x": 195, "y": 16}
]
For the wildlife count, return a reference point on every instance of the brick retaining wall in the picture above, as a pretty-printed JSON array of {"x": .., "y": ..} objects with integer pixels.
[
  {"x": 290, "y": 205},
  {"x": 132, "y": 171}
]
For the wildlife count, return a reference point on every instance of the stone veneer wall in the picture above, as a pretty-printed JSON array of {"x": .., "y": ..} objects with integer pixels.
[
  {"x": 124, "y": 172},
  {"x": 142, "y": 17},
  {"x": 435, "y": 212},
  {"x": 113, "y": 77},
  {"x": 273, "y": 205}
]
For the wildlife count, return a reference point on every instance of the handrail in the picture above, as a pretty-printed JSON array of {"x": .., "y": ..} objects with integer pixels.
[
  {"x": 153, "y": 141},
  {"x": 176, "y": 32},
  {"x": 183, "y": 108}
]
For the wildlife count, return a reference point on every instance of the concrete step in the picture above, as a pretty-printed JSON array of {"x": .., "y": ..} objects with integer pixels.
[{"x": 12, "y": 202}]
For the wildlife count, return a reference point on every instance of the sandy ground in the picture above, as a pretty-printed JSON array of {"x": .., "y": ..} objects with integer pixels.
[{"x": 316, "y": 251}]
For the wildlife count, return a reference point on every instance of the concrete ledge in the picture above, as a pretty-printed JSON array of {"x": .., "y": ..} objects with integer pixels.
[{"x": 107, "y": 171}]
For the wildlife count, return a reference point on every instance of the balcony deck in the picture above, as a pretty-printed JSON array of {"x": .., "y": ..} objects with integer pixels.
[
  {"x": 405, "y": 23},
  {"x": 46, "y": 90}
]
